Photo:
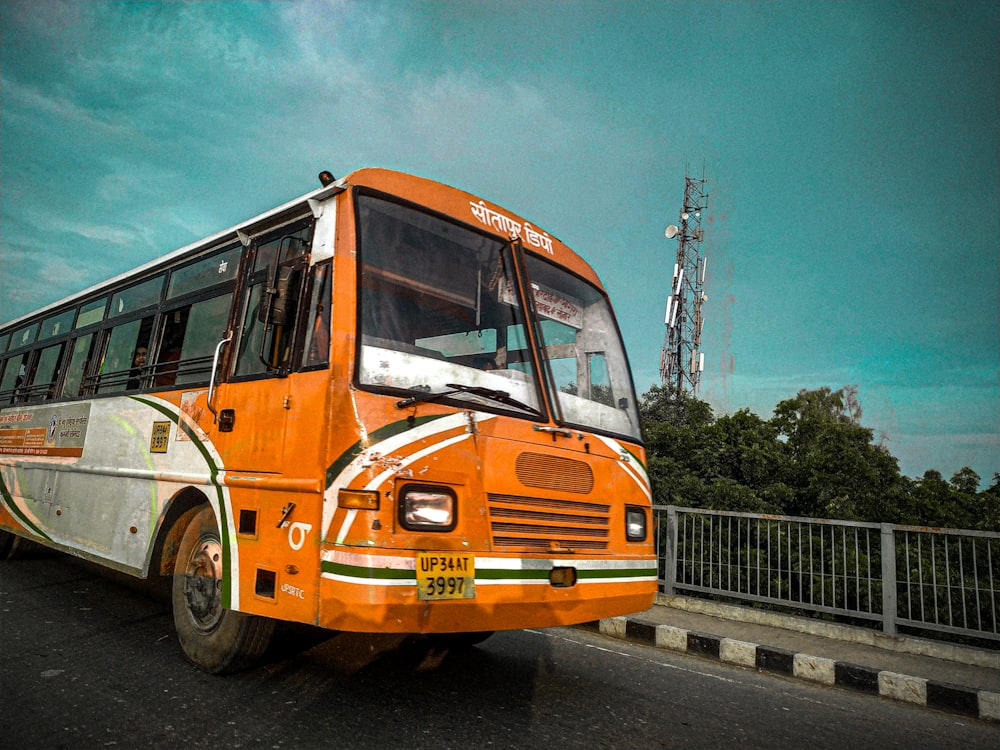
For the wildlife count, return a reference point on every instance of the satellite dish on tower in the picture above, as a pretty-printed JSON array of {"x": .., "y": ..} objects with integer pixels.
[{"x": 672, "y": 231}]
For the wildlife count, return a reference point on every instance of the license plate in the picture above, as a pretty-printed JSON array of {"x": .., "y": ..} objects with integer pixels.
[{"x": 446, "y": 575}]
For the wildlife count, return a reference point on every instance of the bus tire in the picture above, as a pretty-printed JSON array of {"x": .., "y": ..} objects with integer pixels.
[{"x": 216, "y": 639}]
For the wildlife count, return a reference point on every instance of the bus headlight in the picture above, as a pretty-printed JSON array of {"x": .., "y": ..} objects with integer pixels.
[
  {"x": 426, "y": 508},
  {"x": 635, "y": 524}
]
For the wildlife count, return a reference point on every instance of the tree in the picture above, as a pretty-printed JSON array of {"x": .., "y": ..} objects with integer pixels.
[
  {"x": 812, "y": 458},
  {"x": 676, "y": 431},
  {"x": 748, "y": 450},
  {"x": 834, "y": 468},
  {"x": 965, "y": 480},
  {"x": 988, "y": 516},
  {"x": 662, "y": 404},
  {"x": 934, "y": 503}
]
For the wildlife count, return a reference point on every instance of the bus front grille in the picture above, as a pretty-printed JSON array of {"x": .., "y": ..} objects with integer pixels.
[
  {"x": 547, "y": 472},
  {"x": 548, "y": 524}
]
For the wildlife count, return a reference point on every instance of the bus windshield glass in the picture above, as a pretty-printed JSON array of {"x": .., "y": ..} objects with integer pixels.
[
  {"x": 438, "y": 316},
  {"x": 441, "y": 320},
  {"x": 584, "y": 352}
]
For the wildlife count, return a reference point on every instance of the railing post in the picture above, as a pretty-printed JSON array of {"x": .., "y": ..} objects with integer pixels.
[
  {"x": 888, "y": 579},
  {"x": 670, "y": 553}
]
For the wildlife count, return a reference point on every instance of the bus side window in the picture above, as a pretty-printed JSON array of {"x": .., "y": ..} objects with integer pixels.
[
  {"x": 271, "y": 301},
  {"x": 12, "y": 377},
  {"x": 78, "y": 361},
  {"x": 316, "y": 350},
  {"x": 124, "y": 365},
  {"x": 251, "y": 334},
  {"x": 188, "y": 342},
  {"x": 277, "y": 316},
  {"x": 171, "y": 341},
  {"x": 44, "y": 371}
]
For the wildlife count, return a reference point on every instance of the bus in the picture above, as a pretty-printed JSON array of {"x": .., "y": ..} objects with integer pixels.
[{"x": 386, "y": 406}]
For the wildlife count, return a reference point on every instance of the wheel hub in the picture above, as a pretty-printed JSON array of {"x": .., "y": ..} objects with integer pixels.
[{"x": 203, "y": 584}]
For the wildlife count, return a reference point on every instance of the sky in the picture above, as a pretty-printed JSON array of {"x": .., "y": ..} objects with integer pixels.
[{"x": 851, "y": 151}]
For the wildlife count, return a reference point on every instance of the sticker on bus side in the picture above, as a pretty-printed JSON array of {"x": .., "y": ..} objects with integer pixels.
[{"x": 45, "y": 430}]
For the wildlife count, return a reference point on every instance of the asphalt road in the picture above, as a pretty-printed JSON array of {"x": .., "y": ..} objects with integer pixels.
[{"x": 88, "y": 661}]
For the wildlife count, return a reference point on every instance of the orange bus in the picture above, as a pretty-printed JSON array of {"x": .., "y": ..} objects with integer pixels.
[{"x": 385, "y": 406}]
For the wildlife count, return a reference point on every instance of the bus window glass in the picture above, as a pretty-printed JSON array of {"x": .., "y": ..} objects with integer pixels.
[
  {"x": 207, "y": 272},
  {"x": 12, "y": 377},
  {"x": 4, "y": 340},
  {"x": 125, "y": 356},
  {"x": 584, "y": 350},
  {"x": 267, "y": 329},
  {"x": 205, "y": 328},
  {"x": 188, "y": 342},
  {"x": 136, "y": 297},
  {"x": 284, "y": 244},
  {"x": 317, "y": 343},
  {"x": 437, "y": 303},
  {"x": 41, "y": 384},
  {"x": 24, "y": 336},
  {"x": 56, "y": 324},
  {"x": 92, "y": 312},
  {"x": 78, "y": 360},
  {"x": 248, "y": 362}
]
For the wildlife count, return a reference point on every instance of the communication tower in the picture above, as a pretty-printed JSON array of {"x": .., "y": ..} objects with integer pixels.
[{"x": 681, "y": 358}]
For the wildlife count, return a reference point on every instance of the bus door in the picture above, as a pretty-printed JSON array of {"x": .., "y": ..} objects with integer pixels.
[{"x": 252, "y": 404}]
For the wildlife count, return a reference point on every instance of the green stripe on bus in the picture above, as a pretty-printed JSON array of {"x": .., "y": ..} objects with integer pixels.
[
  {"x": 617, "y": 573},
  {"x": 382, "y": 433},
  {"x": 359, "y": 571},
  {"x": 635, "y": 457},
  {"x": 506, "y": 574},
  {"x": 483, "y": 574},
  {"x": 219, "y": 494},
  {"x": 503, "y": 574}
]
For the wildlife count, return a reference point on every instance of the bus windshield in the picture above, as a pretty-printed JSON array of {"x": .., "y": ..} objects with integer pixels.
[
  {"x": 437, "y": 312},
  {"x": 583, "y": 350},
  {"x": 440, "y": 319}
]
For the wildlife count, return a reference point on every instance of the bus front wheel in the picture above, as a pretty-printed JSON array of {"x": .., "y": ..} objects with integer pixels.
[{"x": 213, "y": 638}]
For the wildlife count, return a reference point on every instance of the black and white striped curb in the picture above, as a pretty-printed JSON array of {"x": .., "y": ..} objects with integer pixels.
[{"x": 982, "y": 704}]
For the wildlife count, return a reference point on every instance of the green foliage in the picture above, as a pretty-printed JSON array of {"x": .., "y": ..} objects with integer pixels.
[{"x": 812, "y": 458}]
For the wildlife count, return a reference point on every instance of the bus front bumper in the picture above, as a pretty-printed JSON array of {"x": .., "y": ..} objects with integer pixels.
[{"x": 465, "y": 592}]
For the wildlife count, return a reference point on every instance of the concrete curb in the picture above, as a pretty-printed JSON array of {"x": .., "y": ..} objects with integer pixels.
[{"x": 980, "y": 704}]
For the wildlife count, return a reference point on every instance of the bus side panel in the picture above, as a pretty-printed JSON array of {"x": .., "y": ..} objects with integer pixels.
[
  {"x": 277, "y": 506},
  {"x": 101, "y": 476},
  {"x": 277, "y": 536}
]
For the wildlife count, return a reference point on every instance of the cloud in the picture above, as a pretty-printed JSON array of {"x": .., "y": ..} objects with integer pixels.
[
  {"x": 30, "y": 102},
  {"x": 41, "y": 279},
  {"x": 947, "y": 453}
]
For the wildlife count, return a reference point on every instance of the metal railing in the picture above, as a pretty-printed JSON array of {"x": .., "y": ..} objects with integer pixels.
[{"x": 938, "y": 580}]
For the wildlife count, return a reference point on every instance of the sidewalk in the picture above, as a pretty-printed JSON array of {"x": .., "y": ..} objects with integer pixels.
[{"x": 915, "y": 670}]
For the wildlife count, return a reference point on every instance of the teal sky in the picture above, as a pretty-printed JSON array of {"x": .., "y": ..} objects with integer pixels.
[{"x": 852, "y": 151}]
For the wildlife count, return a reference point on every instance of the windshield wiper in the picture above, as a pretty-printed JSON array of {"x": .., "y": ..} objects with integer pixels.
[{"x": 488, "y": 393}]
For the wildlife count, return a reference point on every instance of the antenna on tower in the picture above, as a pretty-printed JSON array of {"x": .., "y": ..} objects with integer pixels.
[{"x": 681, "y": 358}]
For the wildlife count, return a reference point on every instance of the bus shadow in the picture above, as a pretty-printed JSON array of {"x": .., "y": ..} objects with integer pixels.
[{"x": 339, "y": 679}]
